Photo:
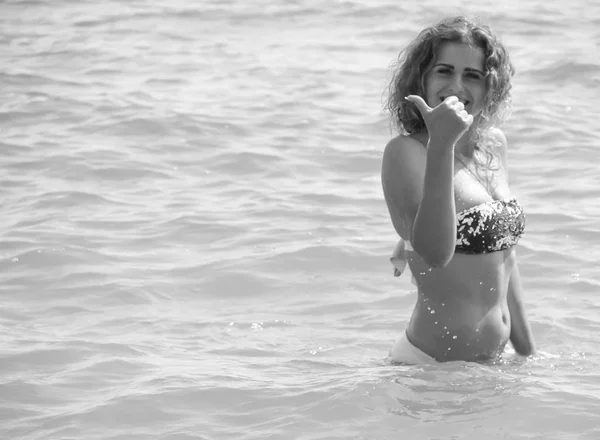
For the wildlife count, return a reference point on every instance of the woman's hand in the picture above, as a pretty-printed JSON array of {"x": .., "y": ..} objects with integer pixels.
[{"x": 445, "y": 123}]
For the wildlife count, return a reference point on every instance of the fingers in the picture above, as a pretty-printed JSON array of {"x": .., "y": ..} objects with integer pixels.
[
  {"x": 420, "y": 103},
  {"x": 459, "y": 109},
  {"x": 442, "y": 113},
  {"x": 452, "y": 100},
  {"x": 458, "y": 106},
  {"x": 465, "y": 116}
]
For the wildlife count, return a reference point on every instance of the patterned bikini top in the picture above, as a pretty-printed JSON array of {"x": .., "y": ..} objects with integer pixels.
[{"x": 489, "y": 227}]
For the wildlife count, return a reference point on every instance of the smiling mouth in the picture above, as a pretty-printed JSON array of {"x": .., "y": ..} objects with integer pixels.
[{"x": 464, "y": 101}]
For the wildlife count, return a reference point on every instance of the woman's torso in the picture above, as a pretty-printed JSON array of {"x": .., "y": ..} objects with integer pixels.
[{"x": 461, "y": 311}]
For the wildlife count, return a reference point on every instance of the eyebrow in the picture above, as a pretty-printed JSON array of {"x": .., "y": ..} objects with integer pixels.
[{"x": 467, "y": 69}]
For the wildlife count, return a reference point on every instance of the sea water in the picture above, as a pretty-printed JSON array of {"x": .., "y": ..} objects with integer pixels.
[{"x": 194, "y": 242}]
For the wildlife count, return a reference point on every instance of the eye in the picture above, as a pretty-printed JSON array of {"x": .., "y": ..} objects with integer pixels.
[
  {"x": 474, "y": 76},
  {"x": 444, "y": 71}
]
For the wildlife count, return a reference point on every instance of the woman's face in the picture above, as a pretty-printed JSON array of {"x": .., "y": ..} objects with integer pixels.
[{"x": 458, "y": 70}]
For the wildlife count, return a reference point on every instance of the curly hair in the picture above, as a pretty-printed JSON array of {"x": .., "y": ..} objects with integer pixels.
[{"x": 416, "y": 59}]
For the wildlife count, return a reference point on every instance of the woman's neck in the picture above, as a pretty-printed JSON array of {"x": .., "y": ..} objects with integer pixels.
[
  {"x": 467, "y": 144},
  {"x": 465, "y": 148}
]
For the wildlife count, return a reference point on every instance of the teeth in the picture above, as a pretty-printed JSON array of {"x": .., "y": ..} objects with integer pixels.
[{"x": 465, "y": 102}]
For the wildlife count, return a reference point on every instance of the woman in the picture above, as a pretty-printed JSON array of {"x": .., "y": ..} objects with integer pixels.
[{"x": 445, "y": 183}]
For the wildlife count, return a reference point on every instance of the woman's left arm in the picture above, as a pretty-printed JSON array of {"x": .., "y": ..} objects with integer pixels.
[{"x": 520, "y": 332}]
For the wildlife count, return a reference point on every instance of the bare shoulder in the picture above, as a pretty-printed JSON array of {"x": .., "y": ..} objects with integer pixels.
[
  {"x": 498, "y": 135},
  {"x": 402, "y": 152},
  {"x": 500, "y": 143}
]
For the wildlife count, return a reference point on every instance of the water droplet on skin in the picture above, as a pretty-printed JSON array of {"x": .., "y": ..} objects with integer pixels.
[
  {"x": 443, "y": 305},
  {"x": 454, "y": 337},
  {"x": 449, "y": 349},
  {"x": 445, "y": 328},
  {"x": 447, "y": 333},
  {"x": 435, "y": 322},
  {"x": 432, "y": 312}
]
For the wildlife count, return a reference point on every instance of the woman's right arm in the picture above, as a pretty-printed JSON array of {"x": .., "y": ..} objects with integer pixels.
[
  {"x": 419, "y": 188},
  {"x": 434, "y": 227}
]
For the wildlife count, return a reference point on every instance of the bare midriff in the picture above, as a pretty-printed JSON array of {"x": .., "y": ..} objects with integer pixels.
[{"x": 461, "y": 311}]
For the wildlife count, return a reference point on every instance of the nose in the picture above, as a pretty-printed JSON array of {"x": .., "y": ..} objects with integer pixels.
[{"x": 456, "y": 84}]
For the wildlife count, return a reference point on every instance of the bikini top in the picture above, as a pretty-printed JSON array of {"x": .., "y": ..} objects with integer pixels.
[
  {"x": 484, "y": 228},
  {"x": 489, "y": 227}
]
